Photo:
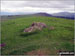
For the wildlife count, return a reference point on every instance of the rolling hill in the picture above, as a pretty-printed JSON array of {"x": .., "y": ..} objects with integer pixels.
[
  {"x": 42, "y": 14},
  {"x": 64, "y": 15},
  {"x": 44, "y": 42}
]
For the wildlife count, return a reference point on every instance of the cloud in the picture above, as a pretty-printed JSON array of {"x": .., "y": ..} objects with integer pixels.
[{"x": 52, "y": 6}]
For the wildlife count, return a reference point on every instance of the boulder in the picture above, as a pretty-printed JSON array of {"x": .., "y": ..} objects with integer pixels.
[
  {"x": 30, "y": 29},
  {"x": 39, "y": 24},
  {"x": 35, "y": 26}
]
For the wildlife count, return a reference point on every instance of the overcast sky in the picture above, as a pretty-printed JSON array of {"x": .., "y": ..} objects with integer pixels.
[{"x": 52, "y": 6}]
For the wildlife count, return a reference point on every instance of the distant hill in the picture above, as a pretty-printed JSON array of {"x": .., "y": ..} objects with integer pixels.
[
  {"x": 6, "y": 13},
  {"x": 24, "y": 15},
  {"x": 64, "y": 15},
  {"x": 15, "y": 13},
  {"x": 42, "y": 14}
]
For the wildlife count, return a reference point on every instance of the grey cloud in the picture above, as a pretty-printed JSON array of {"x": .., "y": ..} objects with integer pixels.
[
  {"x": 49, "y": 4},
  {"x": 37, "y": 0},
  {"x": 56, "y": 4},
  {"x": 45, "y": 4}
]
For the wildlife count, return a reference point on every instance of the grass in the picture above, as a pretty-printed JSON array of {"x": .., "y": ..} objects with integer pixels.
[{"x": 18, "y": 42}]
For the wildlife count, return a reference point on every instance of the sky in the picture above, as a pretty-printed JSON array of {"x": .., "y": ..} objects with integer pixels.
[{"x": 26, "y": 6}]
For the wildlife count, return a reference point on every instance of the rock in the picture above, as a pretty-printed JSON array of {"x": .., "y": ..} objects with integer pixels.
[
  {"x": 30, "y": 29},
  {"x": 43, "y": 25},
  {"x": 39, "y": 24},
  {"x": 35, "y": 26}
]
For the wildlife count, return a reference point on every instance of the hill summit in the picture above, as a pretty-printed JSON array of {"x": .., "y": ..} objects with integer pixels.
[{"x": 42, "y": 14}]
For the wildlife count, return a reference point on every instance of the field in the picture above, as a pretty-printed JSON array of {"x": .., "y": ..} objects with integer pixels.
[{"x": 44, "y": 42}]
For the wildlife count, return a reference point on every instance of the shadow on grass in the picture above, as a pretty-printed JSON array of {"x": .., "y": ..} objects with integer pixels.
[
  {"x": 69, "y": 28},
  {"x": 28, "y": 34},
  {"x": 24, "y": 50},
  {"x": 66, "y": 46}
]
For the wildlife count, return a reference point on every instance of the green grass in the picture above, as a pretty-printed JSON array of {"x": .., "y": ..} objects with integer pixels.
[{"x": 18, "y": 42}]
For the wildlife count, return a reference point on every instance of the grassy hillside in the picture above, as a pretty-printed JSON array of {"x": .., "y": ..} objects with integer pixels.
[{"x": 47, "y": 41}]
